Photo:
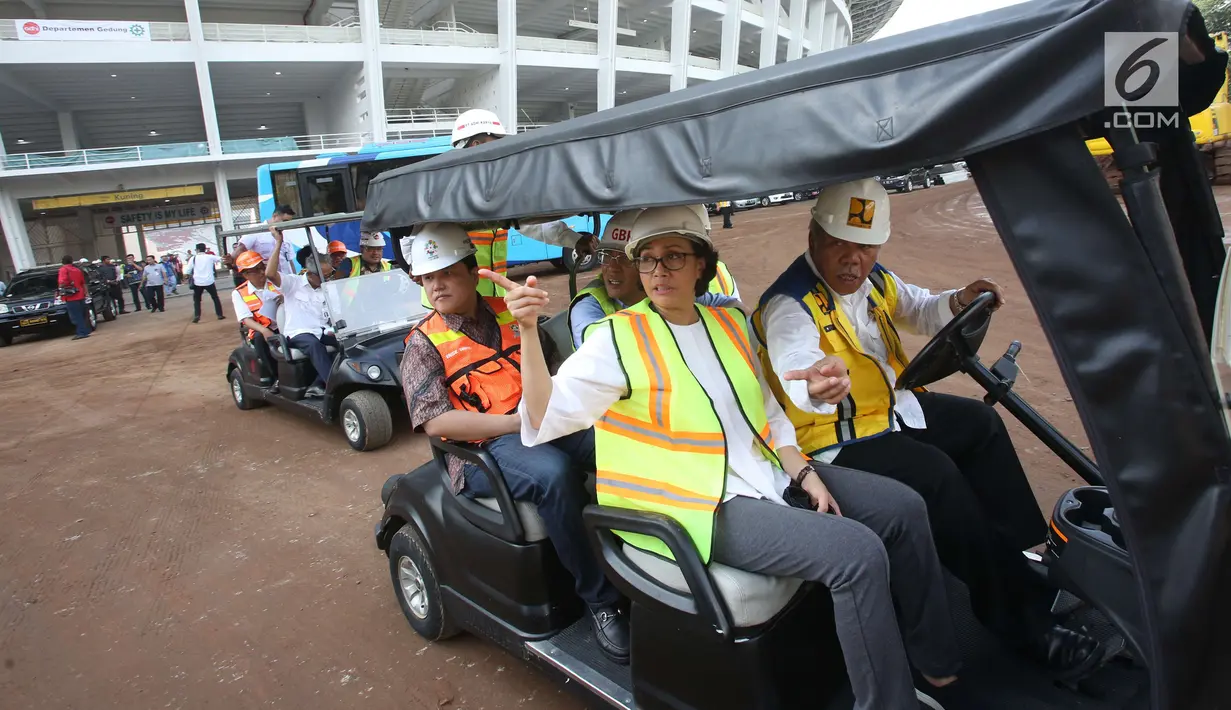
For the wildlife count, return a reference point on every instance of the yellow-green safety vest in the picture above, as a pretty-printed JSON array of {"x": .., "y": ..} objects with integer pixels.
[
  {"x": 723, "y": 282},
  {"x": 662, "y": 448},
  {"x": 356, "y": 266},
  {"x": 867, "y": 411},
  {"x": 598, "y": 290}
]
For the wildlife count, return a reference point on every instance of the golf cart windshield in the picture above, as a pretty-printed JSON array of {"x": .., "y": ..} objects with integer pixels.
[{"x": 374, "y": 303}]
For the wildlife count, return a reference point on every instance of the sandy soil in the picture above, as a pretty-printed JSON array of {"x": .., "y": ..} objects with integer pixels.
[{"x": 161, "y": 549}]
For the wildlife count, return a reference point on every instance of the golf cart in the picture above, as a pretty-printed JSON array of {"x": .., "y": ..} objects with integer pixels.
[
  {"x": 1127, "y": 300},
  {"x": 371, "y": 316}
]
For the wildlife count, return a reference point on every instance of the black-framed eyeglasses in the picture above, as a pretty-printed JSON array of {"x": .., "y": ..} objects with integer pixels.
[
  {"x": 673, "y": 261},
  {"x": 613, "y": 257}
]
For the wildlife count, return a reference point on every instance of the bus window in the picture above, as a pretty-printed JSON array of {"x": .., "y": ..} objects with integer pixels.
[
  {"x": 362, "y": 174},
  {"x": 286, "y": 189},
  {"x": 324, "y": 193}
]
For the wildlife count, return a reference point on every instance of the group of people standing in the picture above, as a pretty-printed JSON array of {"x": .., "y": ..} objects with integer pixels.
[{"x": 148, "y": 281}]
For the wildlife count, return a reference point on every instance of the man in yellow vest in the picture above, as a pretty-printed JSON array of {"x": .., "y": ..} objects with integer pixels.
[
  {"x": 462, "y": 379},
  {"x": 828, "y": 329},
  {"x": 369, "y": 261}
]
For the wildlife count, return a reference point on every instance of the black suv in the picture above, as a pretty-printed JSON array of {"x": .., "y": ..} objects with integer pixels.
[
  {"x": 918, "y": 177},
  {"x": 31, "y": 304}
]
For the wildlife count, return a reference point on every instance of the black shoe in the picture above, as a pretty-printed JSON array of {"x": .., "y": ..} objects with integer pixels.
[
  {"x": 196, "y": 320},
  {"x": 80, "y": 337},
  {"x": 611, "y": 632},
  {"x": 222, "y": 317},
  {"x": 314, "y": 391},
  {"x": 1068, "y": 654}
]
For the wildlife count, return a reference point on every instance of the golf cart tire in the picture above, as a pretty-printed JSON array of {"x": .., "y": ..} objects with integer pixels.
[
  {"x": 109, "y": 313},
  {"x": 434, "y": 623},
  {"x": 374, "y": 419},
  {"x": 239, "y": 392}
]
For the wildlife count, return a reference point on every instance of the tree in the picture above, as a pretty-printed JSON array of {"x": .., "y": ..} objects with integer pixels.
[{"x": 1217, "y": 14}]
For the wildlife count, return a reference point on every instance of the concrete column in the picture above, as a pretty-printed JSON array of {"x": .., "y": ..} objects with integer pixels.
[
  {"x": 506, "y": 79},
  {"x": 815, "y": 25},
  {"x": 607, "y": 21},
  {"x": 728, "y": 56},
  {"x": 373, "y": 70},
  {"x": 681, "y": 35},
  {"x": 205, "y": 86},
  {"x": 121, "y": 250},
  {"x": 831, "y": 32},
  {"x": 86, "y": 236},
  {"x": 15, "y": 233},
  {"x": 795, "y": 47},
  {"x": 142, "y": 251},
  {"x": 68, "y": 132},
  {"x": 771, "y": 10},
  {"x": 224, "y": 199},
  {"x": 2, "y": 153}
]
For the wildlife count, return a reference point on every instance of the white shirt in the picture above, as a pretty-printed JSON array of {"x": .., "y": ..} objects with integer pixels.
[
  {"x": 203, "y": 267},
  {"x": 590, "y": 381},
  {"x": 794, "y": 342},
  {"x": 556, "y": 233},
  {"x": 269, "y": 301},
  {"x": 303, "y": 307},
  {"x": 263, "y": 244},
  {"x": 155, "y": 275}
]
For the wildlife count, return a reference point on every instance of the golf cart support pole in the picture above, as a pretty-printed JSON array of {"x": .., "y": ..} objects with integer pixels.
[{"x": 303, "y": 222}]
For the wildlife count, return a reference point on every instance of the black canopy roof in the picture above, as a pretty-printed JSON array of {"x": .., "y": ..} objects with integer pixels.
[{"x": 923, "y": 97}]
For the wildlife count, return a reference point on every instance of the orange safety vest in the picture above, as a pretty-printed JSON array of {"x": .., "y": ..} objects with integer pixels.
[
  {"x": 479, "y": 379},
  {"x": 254, "y": 303}
]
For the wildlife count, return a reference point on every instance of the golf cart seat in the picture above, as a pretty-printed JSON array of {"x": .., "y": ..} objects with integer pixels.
[
  {"x": 532, "y": 525},
  {"x": 488, "y": 513},
  {"x": 282, "y": 349},
  {"x": 752, "y": 599},
  {"x": 557, "y": 328}
]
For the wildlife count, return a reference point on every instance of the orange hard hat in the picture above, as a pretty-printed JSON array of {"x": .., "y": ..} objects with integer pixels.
[
  {"x": 337, "y": 247},
  {"x": 248, "y": 260}
]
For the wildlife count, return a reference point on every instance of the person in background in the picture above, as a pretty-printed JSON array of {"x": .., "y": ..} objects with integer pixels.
[
  {"x": 170, "y": 277},
  {"x": 111, "y": 276},
  {"x": 73, "y": 292},
  {"x": 3, "y": 287},
  {"x": 201, "y": 268},
  {"x": 337, "y": 257},
  {"x": 153, "y": 279},
  {"x": 131, "y": 275},
  {"x": 369, "y": 261},
  {"x": 263, "y": 242},
  {"x": 724, "y": 207}
]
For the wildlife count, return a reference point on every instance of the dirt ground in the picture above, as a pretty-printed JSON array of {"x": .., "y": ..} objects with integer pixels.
[{"x": 161, "y": 549}]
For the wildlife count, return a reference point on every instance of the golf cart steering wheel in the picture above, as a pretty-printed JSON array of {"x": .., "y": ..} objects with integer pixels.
[{"x": 958, "y": 340}]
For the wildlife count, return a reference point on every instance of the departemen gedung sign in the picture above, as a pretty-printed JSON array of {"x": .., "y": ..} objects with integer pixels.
[
  {"x": 82, "y": 31},
  {"x": 156, "y": 215}
]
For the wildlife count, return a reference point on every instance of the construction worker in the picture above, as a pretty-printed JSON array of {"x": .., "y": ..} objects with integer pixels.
[
  {"x": 618, "y": 285},
  {"x": 369, "y": 261},
  {"x": 337, "y": 256},
  {"x": 461, "y": 380},
  {"x": 725, "y": 209},
  {"x": 685, "y": 427},
  {"x": 828, "y": 331},
  {"x": 255, "y": 302}
]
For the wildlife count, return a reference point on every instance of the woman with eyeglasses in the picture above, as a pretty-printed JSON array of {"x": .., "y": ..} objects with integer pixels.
[
  {"x": 686, "y": 426},
  {"x": 618, "y": 285}
]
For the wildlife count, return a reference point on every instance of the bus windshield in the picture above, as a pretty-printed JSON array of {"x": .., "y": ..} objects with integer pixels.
[{"x": 374, "y": 303}]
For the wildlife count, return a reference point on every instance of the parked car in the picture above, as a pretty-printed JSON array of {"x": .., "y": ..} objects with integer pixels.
[
  {"x": 780, "y": 197},
  {"x": 948, "y": 173},
  {"x": 31, "y": 302},
  {"x": 750, "y": 202},
  {"x": 907, "y": 182}
]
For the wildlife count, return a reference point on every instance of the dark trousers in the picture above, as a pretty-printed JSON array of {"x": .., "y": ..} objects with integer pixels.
[
  {"x": 264, "y": 355},
  {"x": 981, "y": 507},
  {"x": 154, "y": 298},
  {"x": 76, "y": 314},
  {"x": 196, "y": 300},
  {"x": 117, "y": 293},
  {"x": 726, "y": 216},
  {"x": 552, "y": 477},
  {"x": 314, "y": 347},
  {"x": 135, "y": 289}
]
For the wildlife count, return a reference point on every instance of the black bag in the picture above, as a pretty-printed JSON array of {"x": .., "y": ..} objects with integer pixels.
[{"x": 796, "y": 497}]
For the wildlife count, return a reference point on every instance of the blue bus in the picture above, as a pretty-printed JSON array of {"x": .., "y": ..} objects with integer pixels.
[{"x": 338, "y": 182}]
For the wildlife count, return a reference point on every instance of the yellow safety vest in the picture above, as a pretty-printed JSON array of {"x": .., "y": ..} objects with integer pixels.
[
  {"x": 662, "y": 448},
  {"x": 867, "y": 411},
  {"x": 491, "y": 252},
  {"x": 356, "y": 266},
  {"x": 596, "y": 289},
  {"x": 723, "y": 282}
]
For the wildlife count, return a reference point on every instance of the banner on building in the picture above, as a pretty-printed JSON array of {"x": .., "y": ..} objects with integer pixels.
[
  {"x": 108, "y": 198},
  {"x": 160, "y": 215},
  {"x": 82, "y": 31}
]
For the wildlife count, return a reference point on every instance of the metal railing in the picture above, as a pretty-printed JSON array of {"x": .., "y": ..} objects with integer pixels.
[
  {"x": 449, "y": 26},
  {"x": 234, "y": 32},
  {"x": 551, "y": 44},
  {"x": 702, "y": 62},
  {"x": 348, "y": 21},
  {"x": 159, "y": 31},
  {"x": 653, "y": 55},
  {"x": 422, "y": 114},
  {"x": 172, "y": 151},
  {"x": 433, "y": 38}
]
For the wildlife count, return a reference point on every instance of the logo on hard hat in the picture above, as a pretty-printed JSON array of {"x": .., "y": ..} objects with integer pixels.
[
  {"x": 620, "y": 234},
  {"x": 861, "y": 212},
  {"x": 430, "y": 248}
]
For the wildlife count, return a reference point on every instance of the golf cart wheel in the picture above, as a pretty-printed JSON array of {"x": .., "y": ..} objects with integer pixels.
[
  {"x": 765, "y": 202},
  {"x": 416, "y": 587},
  {"x": 366, "y": 420},
  {"x": 109, "y": 313},
  {"x": 239, "y": 393}
]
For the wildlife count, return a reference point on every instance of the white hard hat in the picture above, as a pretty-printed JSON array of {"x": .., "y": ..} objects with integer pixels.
[
  {"x": 438, "y": 245},
  {"x": 371, "y": 239},
  {"x": 704, "y": 214},
  {"x": 855, "y": 212},
  {"x": 618, "y": 230},
  {"x": 660, "y": 221},
  {"x": 475, "y": 122},
  {"x": 83, "y": 260}
]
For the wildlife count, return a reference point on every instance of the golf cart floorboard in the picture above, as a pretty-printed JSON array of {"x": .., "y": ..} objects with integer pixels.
[
  {"x": 575, "y": 653},
  {"x": 995, "y": 678}
]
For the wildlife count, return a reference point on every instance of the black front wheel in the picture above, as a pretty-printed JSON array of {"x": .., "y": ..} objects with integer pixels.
[
  {"x": 416, "y": 586},
  {"x": 366, "y": 420}
]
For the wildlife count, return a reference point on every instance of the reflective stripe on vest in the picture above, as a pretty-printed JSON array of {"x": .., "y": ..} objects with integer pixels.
[
  {"x": 867, "y": 411},
  {"x": 356, "y": 266},
  {"x": 479, "y": 379},
  {"x": 662, "y": 448},
  {"x": 723, "y": 282},
  {"x": 254, "y": 303},
  {"x": 598, "y": 291},
  {"x": 492, "y": 252}
]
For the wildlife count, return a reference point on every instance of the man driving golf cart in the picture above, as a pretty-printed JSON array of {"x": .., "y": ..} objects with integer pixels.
[
  {"x": 307, "y": 325},
  {"x": 828, "y": 328},
  {"x": 618, "y": 285},
  {"x": 461, "y": 377}
]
